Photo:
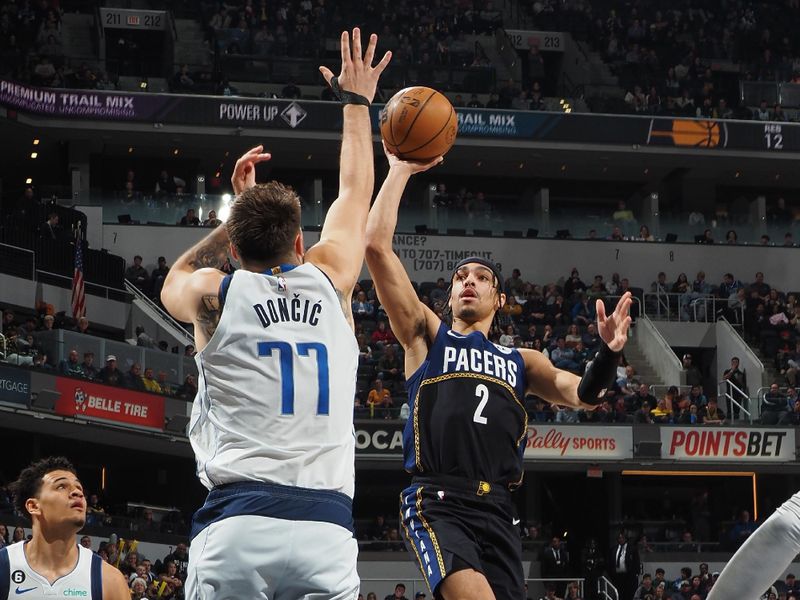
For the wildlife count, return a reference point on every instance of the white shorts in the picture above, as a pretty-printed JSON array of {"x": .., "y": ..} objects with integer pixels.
[
  {"x": 248, "y": 557},
  {"x": 303, "y": 553}
]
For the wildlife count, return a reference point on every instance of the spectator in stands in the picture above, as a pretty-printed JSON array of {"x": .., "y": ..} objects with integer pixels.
[
  {"x": 629, "y": 384},
  {"x": 439, "y": 293},
  {"x": 792, "y": 585},
  {"x": 137, "y": 274},
  {"x": 188, "y": 390},
  {"x": 774, "y": 407},
  {"x": 166, "y": 387},
  {"x": 563, "y": 357},
  {"x": 150, "y": 384},
  {"x": 180, "y": 558},
  {"x": 134, "y": 378},
  {"x": 399, "y": 593},
  {"x": 390, "y": 367},
  {"x": 212, "y": 220},
  {"x": 382, "y": 336},
  {"x": 645, "y": 235},
  {"x": 379, "y": 397},
  {"x": 742, "y": 530},
  {"x": 645, "y": 589},
  {"x": 729, "y": 286},
  {"x": 50, "y": 230},
  {"x": 189, "y": 219},
  {"x": 174, "y": 583},
  {"x": 142, "y": 339},
  {"x": 95, "y": 512},
  {"x": 70, "y": 366},
  {"x": 697, "y": 397},
  {"x": 362, "y": 307},
  {"x": 88, "y": 371},
  {"x": 573, "y": 286},
  {"x": 158, "y": 275},
  {"x": 189, "y": 351},
  {"x": 693, "y": 375},
  {"x": 739, "y": 379},
  {"x": 731, "y": 237},
  {"x": 82, "y": 326},
  {"x": 555, "y": 561},
  {"x": 584, "y": 310},
  {"x": 591, "y": 339},
  {"x": 109, "y": 374},
  {"x": 167, "y": 184},
  {"x": 182, "y": 82},
  {"x": 623, "y": 214},
  {"x": 711, "y": 414},
  {"x": 138, "y": 589}
]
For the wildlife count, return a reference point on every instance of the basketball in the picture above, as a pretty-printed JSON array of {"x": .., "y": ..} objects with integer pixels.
[{"x": 419, "y": 123}]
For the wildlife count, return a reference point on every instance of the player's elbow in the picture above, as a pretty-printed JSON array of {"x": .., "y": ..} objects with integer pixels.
[{"x": 376, "y": 250}]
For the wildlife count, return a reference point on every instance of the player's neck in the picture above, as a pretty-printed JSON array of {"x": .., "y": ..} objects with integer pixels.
[
  {"x": 262, "y": 267},
  {"x": 467, "y": 327},
  {"x": 52, "y": 555}
]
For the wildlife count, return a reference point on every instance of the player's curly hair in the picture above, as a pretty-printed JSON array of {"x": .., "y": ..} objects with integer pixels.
[
  {"x": 447, "y": 310},
  {"x": 29, "y": 483}
]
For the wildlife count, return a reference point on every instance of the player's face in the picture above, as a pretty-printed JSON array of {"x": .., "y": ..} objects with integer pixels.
[
  {"x": 60, "y": 501},
  {"x": 474, "y": 295}
]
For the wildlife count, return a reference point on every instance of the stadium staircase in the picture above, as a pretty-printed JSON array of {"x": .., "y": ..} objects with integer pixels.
[
  {"x": 190, "y": 46},
  {"x": 644, "y": 370},
  {"x": 77, "y": 34}
]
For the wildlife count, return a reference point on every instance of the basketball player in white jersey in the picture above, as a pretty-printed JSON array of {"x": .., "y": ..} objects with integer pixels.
[
  {"x": 52, "y": 563},
  {"x": 272, "y": 421},
  {"x": 763, "y": 557}
]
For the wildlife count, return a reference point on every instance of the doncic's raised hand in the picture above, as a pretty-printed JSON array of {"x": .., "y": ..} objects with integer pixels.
[
  {"x": 613, "y": 329},
  {"x": 357, "y": 76},
  {"x": 412, "y": 167},
  {"x": 244, "y": 173}
]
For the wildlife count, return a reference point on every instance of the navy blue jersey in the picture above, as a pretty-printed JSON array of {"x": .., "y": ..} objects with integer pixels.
[{"x": 467, "y": 418}]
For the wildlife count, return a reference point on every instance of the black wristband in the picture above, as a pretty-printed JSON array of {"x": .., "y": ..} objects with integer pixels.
[
  {"x": 346, "y": 97},
  {"x": 599, "y": 376}
]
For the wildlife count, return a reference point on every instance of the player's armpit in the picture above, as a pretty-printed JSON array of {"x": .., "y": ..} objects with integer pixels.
[{"x": 546, "y": 381}]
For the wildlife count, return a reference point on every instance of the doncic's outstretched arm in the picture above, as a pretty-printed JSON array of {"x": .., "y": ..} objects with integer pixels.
[{"x": 763, "y": 557}]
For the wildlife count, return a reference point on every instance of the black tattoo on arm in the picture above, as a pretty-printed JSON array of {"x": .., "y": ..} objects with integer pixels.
[
  {"x": 346, "y": 308},
  {"x": 209, "y": 314},
  {"x": 210, "y": 253}
]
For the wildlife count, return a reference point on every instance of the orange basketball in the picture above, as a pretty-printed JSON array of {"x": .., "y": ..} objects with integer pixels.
[{"x": 419, "y": 123}]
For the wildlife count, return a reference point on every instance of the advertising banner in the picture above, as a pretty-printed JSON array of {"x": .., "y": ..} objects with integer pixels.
[
  {"x": 91, "y": 400},
  {"x": 379, "y": 438},
  {"x": 312, "y": 116},
  {"x": 727, "y": 445},
  {"x": 578, "y": 442},
  {"x": 15, "y": 385}
]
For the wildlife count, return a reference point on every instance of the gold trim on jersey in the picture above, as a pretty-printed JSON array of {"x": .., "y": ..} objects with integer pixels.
[
  {"x": 413, "y": 545},
  {"x": 468, "y": 375},
  {"x": 432, "y": 535}
]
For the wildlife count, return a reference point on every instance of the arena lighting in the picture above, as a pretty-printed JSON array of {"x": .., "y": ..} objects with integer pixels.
[
  {"x": 130, "y": 149},
  {"x": 225, "y": 210},
  {"x": 36, "y": 141},
  {"x": 34, "y": 154},
  {"x": 143, "y": 85},
  {"x": 28, "y": 181},
  {"x": 103, "y": 478},
  {"x": 175, "y": 152},
  {"x": 750, "y": 474}
]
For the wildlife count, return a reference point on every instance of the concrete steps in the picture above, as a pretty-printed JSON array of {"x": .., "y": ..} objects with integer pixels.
[
  {"x": 190, "y": 46},
  {"x": 77, "y": 32},
  {"x": 644, "y": 370}
]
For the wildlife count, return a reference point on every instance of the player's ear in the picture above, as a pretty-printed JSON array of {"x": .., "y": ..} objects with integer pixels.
[
  {"x": 299, "y": 245},
  {"x": 234, "y": 253},
  {"x": 32, "y": 506},
  {"x": 501, "y": 300}
]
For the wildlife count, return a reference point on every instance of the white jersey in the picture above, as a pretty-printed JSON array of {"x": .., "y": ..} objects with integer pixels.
[
  {"x": 276, "y": 385},
  {"x": 19, "y": 581}
]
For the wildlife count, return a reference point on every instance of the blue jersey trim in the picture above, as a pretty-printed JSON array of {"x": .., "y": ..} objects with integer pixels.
[
  {"x": 223, "y": 288},
  {"x": 276, "y": 501},
  {"x": 5, "y": 573},
  {"x": 97, "y": 577}
]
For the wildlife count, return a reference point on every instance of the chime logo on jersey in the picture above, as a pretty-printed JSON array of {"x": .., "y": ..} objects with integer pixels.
[{"x": 479, "y": 361}]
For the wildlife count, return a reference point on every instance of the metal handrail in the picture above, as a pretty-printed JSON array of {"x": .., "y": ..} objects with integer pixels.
[
  {"x": 88, "y": 283},
  {"x": 163, "y": 315},
  {"x": 728, "y": 395},
  {"x": 747, "y": 348},
  {"x": 762, "y": 391},
  {"x": 606, "y": 589},
  {"x": 668, "y": 303}
]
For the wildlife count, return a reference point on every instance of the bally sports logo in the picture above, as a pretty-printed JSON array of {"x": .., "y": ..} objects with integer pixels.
[
  {"x": 579, "y": 442},
  {"x": 727, "y": 444}
]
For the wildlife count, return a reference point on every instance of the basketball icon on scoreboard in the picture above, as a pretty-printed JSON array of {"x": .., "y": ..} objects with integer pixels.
[{"x": 689, "y": 133}]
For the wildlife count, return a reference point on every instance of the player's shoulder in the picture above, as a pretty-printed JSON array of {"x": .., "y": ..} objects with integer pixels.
[{"x": 115, "y": 586}]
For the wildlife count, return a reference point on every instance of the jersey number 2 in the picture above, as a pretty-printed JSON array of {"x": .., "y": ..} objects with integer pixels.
[
  {"x": 286, "y": 357},
  {"x": 482, "y": 392}
]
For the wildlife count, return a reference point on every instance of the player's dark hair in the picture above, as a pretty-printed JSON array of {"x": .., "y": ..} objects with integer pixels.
[
  {"x": 264, "y": 221},
  {"x": 29, "y": 483},
  {"x": 497, "y": 283}
]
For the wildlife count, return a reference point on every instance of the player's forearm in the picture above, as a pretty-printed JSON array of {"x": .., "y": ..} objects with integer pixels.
[
  {"x": 382, "y": 220},
  {"x": 211, "y": 251},
  {"x": 356, "y": 171}
]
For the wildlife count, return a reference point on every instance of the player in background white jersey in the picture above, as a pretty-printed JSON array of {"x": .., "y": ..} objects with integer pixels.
[
  {"x": 763, "y": 557},
  {"x": 52, "y": 563},
  {"x": 272, "y": 422}
]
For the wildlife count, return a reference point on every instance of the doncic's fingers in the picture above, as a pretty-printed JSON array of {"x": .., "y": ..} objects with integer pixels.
[
  {"x": 384, "y": 62},
  {"x": 370, "y": 55},
  {"x": 357, "y": 55},
  {"x": 262, "y": 157},
  {"x": 255, "y": 150},
  {"x": 601, "y": 310},
  {"x": 345, "y": 44},
  {"x": 326, "y": 73}
]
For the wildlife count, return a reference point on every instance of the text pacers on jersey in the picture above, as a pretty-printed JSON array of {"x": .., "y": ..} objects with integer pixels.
[{"x": 480, "y": 361}]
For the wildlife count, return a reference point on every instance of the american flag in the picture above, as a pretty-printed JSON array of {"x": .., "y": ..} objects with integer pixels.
[{"x": 78, "y": 294}]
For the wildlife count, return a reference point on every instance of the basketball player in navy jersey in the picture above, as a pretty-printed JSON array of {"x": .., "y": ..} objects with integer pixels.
[
  {"x": 272, "y": 423},
  {"x": 465, "y": 438},
  {"x": 52, "y": 563}
]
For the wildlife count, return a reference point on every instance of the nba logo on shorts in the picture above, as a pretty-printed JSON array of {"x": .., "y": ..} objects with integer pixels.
[{"x": 281, "y": 284}]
